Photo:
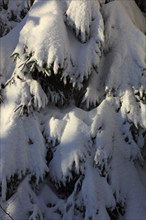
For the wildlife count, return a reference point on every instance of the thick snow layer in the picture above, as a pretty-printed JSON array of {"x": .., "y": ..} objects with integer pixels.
[
  {"x": 54, "y": 46},
  {"x": 7, "y": 46},
  {"x": 135, "y": 14},
  {"x": 21, "y": 140},
  {"x": 86, "y": 21},
  {"x": 80, "y": 15},
  {"x": 72, "y": 148},
  {"x": 125, "y": 48},
  {"x": 12, "y": 12},
  {"x": 50, "y": 46},
  {"x": 40, "y": 98},
  {"x": 124, "y": 59},
  {"x": 27, "y": 198},
  {"x": 70, "y": 132},
  {"x": 71, "y": 163}
]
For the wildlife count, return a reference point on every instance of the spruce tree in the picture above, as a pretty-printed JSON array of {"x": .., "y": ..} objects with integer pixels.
[{"x": 73, "y": 97}]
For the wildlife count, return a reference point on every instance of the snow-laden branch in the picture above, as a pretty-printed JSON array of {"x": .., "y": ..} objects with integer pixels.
[{"x": 6, "y": 212}]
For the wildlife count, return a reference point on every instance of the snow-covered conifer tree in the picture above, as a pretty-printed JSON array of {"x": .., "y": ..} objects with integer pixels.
[
  {"x": 12, "y": 12},
  {"x": 73, "y": 110}
]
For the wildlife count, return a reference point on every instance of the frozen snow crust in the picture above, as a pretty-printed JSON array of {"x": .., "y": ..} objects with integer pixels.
[{"x": 72, "y": 116}]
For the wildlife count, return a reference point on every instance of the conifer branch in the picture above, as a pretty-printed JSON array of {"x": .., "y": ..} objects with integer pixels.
[{"x": 6, "y": 212}]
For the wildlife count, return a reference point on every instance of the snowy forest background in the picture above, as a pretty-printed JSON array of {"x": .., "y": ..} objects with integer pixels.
[{"x": 73, "y": 109}]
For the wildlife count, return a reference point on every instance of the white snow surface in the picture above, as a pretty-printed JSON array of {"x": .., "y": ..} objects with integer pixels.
[
  {"x": 75, "y": 141},
  {"x": 54, "y": 44},
  {"x": 95, "y": 149}
]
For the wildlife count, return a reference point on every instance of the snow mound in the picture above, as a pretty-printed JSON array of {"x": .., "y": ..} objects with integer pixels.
[
  {"x": 50, "y": 47},
  {"x": 21, "y": 136},
  {"x": 124, "y": 43},
  {"x": 72, "y": 149},
  {"x": 88, "y": 30},
  {"x": 51, "y": 52},
  {"x": 79, "y": 16}
]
